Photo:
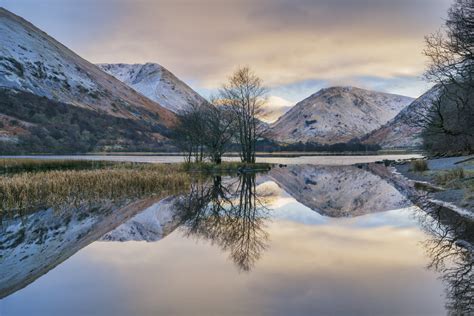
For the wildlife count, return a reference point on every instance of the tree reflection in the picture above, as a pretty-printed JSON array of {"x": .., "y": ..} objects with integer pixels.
[
  {"x": 230, "y": 214},
  {"x": 450, "y": 248}
]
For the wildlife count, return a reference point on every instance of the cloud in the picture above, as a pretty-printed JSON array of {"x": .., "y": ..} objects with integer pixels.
[
  {"x": 274, "y": 108},
  {"x": 285, "y": 41}
]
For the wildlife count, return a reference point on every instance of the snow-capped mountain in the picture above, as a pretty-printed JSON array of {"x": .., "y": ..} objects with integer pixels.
[
  {"x": 156, "y": 83},
  {"x": 337, "y": 115},
  {"x": 341, "y": 191},
  {"x": 31, "y": 60},
  {"x": 403, "y": 131}
]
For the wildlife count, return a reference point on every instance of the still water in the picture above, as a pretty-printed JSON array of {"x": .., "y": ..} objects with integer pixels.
[
  {"x": 299, "y": 240},
  {"x": 317, "y": 160}
]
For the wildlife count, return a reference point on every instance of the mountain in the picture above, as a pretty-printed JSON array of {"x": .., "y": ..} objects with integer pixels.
[
  {"x": 156, "y": 83},
  {"x": 337, "y": 115},
  {"x": 403, "y": 131},
  {"x": 35, "y": 64},
  {"x": 338, "y": 191}
]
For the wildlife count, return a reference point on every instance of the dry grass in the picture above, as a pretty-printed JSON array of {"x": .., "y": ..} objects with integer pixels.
[
  {"x": 458, "y": 179},
  {"x": 31, "y": 184},
  {"x": 16, "y": 165},
  {"x": 419, "y": 165},
  {"x": 447, "y": 177},
  {"x": 28, "y": 191}
]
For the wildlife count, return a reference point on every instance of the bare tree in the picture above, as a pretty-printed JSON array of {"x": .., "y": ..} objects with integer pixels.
[
  {"x": 189, "y": 133},
  {"x": 451, "y": 51},
  {"x": 218, "y": 130},
  {"x": 244, "y": 94}
]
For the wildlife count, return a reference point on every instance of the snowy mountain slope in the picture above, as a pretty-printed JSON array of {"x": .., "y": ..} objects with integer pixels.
[
  {"x": 336, "y": 115},
  {"x": 342, "y": 191},
  {"x": 32, "y": 246},
  {"x": 32, "y": 61},
  {"x": 403, "y": 131},
  {"x": 156, "y": 83}
]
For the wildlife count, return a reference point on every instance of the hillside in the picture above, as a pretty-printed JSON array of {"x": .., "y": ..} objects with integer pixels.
[
  {"x": 403, "y": 131},
  {"x": 337, "y": 115},
  {"x": 33, "y": 62},
  {"x": 34, "y": 124},
  {"x": 156, "y": 83}
]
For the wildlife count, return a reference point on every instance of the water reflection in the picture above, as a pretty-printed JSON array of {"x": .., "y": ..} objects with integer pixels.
[
  {"x": 451, "y": 252},
  {"x": 151, "y": 224},
  {"x": 342, "y": 191},
  {"x": 230, "y": 214},
  {"x": 32, "y": 245},
  {"x": 330, "y": 229}
]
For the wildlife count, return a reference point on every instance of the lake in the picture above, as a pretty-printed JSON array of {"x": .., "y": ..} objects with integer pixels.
[
  {"x": 317, "y": 237},
  {"x": 317, "y": 160}
]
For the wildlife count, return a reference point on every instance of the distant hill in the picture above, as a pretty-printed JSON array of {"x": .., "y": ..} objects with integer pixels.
[
  {"x": 337, "y": 115},
  {"x": 156, "y": 83}
]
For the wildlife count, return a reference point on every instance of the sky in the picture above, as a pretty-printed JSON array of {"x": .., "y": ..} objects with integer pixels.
[{"x": 296, "y": 46}]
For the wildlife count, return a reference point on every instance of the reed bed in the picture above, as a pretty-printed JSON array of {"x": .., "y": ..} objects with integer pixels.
[
  {"x": 28, "y": 185},
  {"x": 29, "y": 191},
  {"x": 17, "y": 165}
]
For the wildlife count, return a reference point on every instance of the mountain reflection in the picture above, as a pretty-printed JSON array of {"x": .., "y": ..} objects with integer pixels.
[
  {"x": 451, "y": 252},
  {"x": 338, "y": 191},
  {"x": 32, "y": 245},
  {"x": 231, "y": 214}
]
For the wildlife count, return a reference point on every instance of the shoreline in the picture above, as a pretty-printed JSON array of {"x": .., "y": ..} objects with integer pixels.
[
  {"x": 283, "y": 154},
  {"x": 424, "y": 187}
]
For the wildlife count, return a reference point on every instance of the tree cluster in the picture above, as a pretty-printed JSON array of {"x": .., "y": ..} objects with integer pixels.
[
  {"x": 208, "y": 129},
  {"x": 449, "y": 122},
  {"x": 332, "y": 148},
  {"x": 204, "y": 130}
]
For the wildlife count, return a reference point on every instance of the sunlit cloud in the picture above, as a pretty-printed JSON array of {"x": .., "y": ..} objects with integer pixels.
[
  {"x": 275, "y": 107},
  {"x": 287, "y": 42}
]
